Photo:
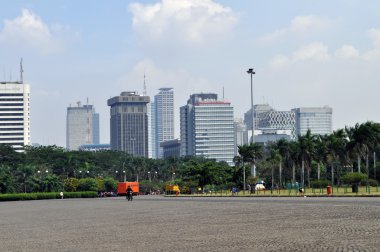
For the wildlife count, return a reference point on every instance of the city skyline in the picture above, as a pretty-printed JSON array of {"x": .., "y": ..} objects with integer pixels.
[{"x": 314, "y": 55}]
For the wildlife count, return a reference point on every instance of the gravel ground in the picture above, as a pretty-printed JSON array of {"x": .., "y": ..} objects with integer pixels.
[{"x": 155, "y": 223}]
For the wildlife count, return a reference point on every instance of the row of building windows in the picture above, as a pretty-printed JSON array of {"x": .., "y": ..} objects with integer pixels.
[
  {"x": 11, "y": 99},
  {"x": 11, "y": 114},
  {"x": 11, "y": 109},
  {"x": 11, "y": 139},
  {"x": 12, "y": 94},
  {"x": 10, "y": 104},
  {"x": 11, "y": 129}
]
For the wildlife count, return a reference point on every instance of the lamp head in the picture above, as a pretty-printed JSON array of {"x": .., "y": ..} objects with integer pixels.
[{"x": 250, "y": 71}]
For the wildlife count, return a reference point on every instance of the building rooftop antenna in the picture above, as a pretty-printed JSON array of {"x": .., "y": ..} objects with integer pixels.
[
  {"x": 21, "y": 72},
  {"x": 144, "y": 92}
]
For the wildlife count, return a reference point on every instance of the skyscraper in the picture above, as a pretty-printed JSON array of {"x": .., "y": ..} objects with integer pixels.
[
  {"x": 317, "y": 119},
  {"x": 82, "y": 126},
  {"x": 164, "y": 119},
  {"x": 15, "y": 114},
  {"x": 207, "y": 128},
  {"x": 129, "y": 123}
]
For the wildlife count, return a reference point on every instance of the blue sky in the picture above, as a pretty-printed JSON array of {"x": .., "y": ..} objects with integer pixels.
[{"x": 305, "y": 53}]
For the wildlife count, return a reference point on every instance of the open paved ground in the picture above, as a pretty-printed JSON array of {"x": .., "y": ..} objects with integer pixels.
[{"x": 155, "y": 223}]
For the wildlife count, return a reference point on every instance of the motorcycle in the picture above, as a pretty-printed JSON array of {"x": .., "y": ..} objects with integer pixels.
[{"x": 129, "y": 196}]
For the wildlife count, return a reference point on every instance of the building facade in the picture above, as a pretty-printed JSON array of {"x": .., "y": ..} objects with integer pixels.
[
  {"x": 278, "y": 120},
  {"x": 82, "y": 126},
  {"x": 15, "y": 114},
  {"x": 129, "y": 123},
  {"x": 317, "y": 119},
  {"x": 164, "y": 119},
  {"x": 257, "y": 110},
  {"x": 207, "y": 128},
  {"x": 241, "y": 136},
  {"x": 171, "y": 148}
]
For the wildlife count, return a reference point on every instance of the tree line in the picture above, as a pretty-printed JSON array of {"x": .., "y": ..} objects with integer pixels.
[
  {"x": 306, "y": 160},
  {"x": 312, "y": 158}
]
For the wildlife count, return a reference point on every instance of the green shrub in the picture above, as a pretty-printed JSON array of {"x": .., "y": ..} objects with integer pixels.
[
  {"x": 71, "y": 184},
  {"x": 320, "y": 183},
  {"x": 371, "y": 182},
  {"x": 110, "y": 184},
  {"x": 354, "y": 177},
  {"x": 41, "y": 196},
  {"x": 87, "y": 184}
]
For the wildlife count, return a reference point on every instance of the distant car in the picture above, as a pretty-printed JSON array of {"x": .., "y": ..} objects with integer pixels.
[{"x": 260, "y": 186}]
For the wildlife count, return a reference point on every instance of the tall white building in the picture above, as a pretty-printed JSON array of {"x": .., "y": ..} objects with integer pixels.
[
  {"x": 207, "y": 128},
  {"x": 163, "y": 114},
  {"x": 15, "y": 114},
  {"x": 82, "y": 126},
  {"x": 317, "y": 119}
]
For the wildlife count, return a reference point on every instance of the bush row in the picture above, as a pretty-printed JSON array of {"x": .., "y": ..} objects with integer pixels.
[{"x": 51, "y": 195}]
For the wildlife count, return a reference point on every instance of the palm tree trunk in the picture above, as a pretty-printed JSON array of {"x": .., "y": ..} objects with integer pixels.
[
  {"x": 319, "y": 171},
  {"x": 272, "y": 176},
  {"x": 332, "y": 174},
  {"x": 303, "y": 174},
  {"x": 374, "y": 165},
  {"x": 280, "y": 173},
  {"x": 294, "y": 174},
  {"x": 367, "y": 164},
  {"x": 358, "y": 163}
]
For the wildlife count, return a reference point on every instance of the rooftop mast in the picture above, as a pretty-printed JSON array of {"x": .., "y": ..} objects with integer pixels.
[{"x": 21, "y": 72}]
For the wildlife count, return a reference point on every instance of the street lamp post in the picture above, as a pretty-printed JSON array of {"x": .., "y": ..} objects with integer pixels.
[
  {"x": 149, "y": 176},
  {"x": 251, "y": 72},
  {"x": 173, "y": 176}
]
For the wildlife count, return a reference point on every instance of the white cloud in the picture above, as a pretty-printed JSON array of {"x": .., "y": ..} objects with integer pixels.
[
  {"x": 316, "y": 51},
  {"x": 186, "y": 21},
  {"x": 29, "y": 31},
  {"x": 347, "y": 52},
  {"x": 299, "y": 25},
  {"x": 310, "y": 23},
  {"x": 373, "y": 54}
]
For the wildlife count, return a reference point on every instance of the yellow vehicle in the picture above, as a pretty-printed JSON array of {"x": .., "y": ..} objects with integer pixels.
[{"x": 172, "y": 189}]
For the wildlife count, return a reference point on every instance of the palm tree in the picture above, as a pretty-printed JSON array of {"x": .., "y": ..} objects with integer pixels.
[
  {"x": 363, "y": 138},
  {"x": 337, "y": 154},
  {"x": 274, "y": 159},
  {"x": 249, "y": 154},
  {"x": 307, "y": 152}
]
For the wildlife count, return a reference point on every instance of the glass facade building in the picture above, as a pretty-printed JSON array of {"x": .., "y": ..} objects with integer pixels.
[
  {"x": 317, "y": 119},
  {"x": 207, "y": 128},
  {"x": 82, "y": 126},
  {"x": 129, "y": 123},
  {"x": 164, "y": 119}
]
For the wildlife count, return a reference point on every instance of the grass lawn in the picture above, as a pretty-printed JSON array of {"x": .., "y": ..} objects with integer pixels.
[{"x": 336, "y": 191}]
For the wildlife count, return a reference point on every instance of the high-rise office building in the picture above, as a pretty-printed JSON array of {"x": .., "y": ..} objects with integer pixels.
[
  {"x": 129, "y": 123},
  {"x": 278, "y": 120},
  {"x": 257, "y": 110},
  {"x": 317, "y": 119},
  {"x": 207, "y": 128},
  {"x": 151, "y": 131},
  {"x": 164, "y": 119},
  {"x": 15, "y": 114},
  {"x": 82, "y": 126},
  {"x": 241, "y": 136}
]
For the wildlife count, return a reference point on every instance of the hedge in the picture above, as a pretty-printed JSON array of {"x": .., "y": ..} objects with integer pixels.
[{"x": 51, "y": 195}]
